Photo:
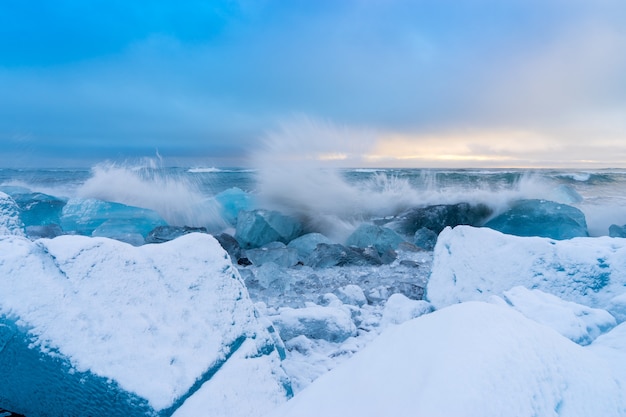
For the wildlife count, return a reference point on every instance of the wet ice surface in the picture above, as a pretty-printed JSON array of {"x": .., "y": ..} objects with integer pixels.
[{"x": 323, "y": 297}]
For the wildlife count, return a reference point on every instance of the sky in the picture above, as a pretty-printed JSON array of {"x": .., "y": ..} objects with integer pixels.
[{"x": 379, "y": 83}]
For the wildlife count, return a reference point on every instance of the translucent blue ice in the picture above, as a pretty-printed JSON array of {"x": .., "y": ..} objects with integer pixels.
[
  {"x": 232, "y": 201},
  {"x": 307, "y": 243},
  {"x": 541, "y": 218},
  {"x": 259, "y": 227},
  {"x": 280, "y": 255},
  {"x": 382, "y": 238},
  {"x": 86, "y": 216}
]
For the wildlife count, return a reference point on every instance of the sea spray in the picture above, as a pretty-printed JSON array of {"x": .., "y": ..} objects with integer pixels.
[{"x": 177, "y": 198}]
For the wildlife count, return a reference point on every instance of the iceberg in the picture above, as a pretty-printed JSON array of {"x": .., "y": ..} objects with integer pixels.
[
  {"x": 93, "y": 326},
  {"x": 259, "y": 227},
  {"x": 470, "y": 359},
  {"x": 541, "y": 218},
  {"x": 476, "y": 263}
]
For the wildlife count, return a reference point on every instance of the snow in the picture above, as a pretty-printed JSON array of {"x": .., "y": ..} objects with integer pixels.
[
  {"x": 10, "y": 223},
  {"x": 577, "y": 322},
  {"x": 470, "y": 359},
  {"x": 475, "y": 263},
  {"x": 154, "y": 319}
]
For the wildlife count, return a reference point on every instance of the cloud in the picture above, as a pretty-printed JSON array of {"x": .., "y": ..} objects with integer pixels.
[{"x": 200, "y": 79}]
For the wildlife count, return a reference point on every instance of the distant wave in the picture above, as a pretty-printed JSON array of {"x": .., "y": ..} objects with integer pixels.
[
  {"x": 576, "y": 176},
  {"x": 203, "y": 170},
  {"x": 216, "y": 170}
]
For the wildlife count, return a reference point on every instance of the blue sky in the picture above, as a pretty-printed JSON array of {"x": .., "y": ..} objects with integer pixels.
[{"x": 358, "y": 83}]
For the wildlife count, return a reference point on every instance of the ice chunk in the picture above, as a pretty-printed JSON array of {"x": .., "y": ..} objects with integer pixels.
[
  {"x": 98, "y": 327},
  {"x": 437, "y": 217},
  {"x": 259, "y": 227},
  {"x": 307, "y": 243},
  {"x": 541, "y": 218},
  {"x": 162, "y": 234},
  {"x": 579, "y": 323},
  {"x": 471, "y": 359},
  {"x": 10, "y": 222},
  {"x": 425, "y": 238},
  {"x": 325, "y": 256},
  {"x": 83, "y": 216},
  {"x": 231, "y": 246},
  {"x": 617, "y": 231},
  {"x": 279, "y": 254},
  {"x": 474, "y": 263},
  {"x": 271, "y": 276},
  {"x": 315, "y": 322},
  {"x": 232, "y": 201},
  {"x": 351, "y": 294},
  {"x": 382, "y": 238},
  {"x": 400, "y": 308},
  {"x": 48, "y": 231},
  {"x": 38, "y": 209}
]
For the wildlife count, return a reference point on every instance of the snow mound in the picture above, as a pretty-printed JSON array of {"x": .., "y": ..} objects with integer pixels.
[
  {"x": 475, "y": 263},
  {"x": 155, "y": 325},
  {"x": 470, "y": 359}
]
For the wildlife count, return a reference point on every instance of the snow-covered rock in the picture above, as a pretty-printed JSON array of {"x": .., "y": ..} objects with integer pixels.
[
  {"x": 92, "y": 326},
  {"x": 399, "y": 308},
  {"x": 470, "y": 359},
  {"x": 475, "y": 263}
]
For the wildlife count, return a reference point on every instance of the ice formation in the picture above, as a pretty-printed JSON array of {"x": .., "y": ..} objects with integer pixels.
[
  {"x": 475, "y": 263},
  {"x": 92, "y": 326}
]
